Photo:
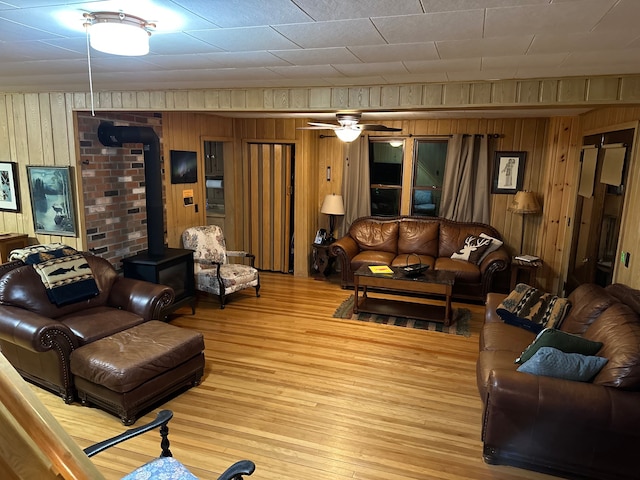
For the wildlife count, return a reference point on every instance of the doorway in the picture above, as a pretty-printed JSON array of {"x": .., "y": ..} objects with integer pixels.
[
  {"x": 598, "y": 214},
  {"x": 268, "y": 200}
]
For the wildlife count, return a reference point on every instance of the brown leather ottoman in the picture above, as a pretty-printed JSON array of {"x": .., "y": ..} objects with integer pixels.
[{"x": 136, "y": 368}]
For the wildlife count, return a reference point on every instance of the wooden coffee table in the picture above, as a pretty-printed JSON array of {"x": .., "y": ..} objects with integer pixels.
[{"x": 432, "y": 282}]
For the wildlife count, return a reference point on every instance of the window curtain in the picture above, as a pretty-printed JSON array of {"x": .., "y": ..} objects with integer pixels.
[
  {"x": 356, "y": 187},
  {"x": 465, "y": 190}
]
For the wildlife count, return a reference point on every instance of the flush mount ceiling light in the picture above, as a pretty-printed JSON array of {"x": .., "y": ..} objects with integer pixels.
[{"x": 118, "y": 33}]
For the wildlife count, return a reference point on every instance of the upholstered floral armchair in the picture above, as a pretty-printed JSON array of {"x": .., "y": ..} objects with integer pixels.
[{"x": 213, "y": 272}]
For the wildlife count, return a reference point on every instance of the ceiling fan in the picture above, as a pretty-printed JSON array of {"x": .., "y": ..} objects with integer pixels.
[{"x": 349, "y": 129}]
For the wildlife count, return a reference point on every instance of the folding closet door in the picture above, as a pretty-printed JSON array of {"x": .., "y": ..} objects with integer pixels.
[{"x": 268, "y": 203}]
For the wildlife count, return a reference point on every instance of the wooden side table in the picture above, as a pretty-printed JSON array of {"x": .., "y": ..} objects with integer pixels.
[
  {"x": 529, "y": 270},
  {"x": 322, "y": 260},
  {"x": 11, "y": 241}
]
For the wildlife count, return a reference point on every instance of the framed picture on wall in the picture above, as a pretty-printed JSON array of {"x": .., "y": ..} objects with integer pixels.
[
  {"x": 508, "y": 172},
  {"x": 52, "y": 200},
  {"x": 9, "y": 192},
  {"x": 184, "y": 166}
]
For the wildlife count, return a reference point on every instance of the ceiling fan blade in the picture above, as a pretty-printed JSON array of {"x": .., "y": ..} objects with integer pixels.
[
  {"x": 324, "y": 125},
  {"x": 328, "y": 127},
  {"x": 379, "y": 128}
]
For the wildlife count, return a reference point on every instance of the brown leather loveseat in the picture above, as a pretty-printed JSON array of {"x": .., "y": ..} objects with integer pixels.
[
  {"x": 572, "y": 429},
  {"x": 37, "y": 336},
  {"x": 405, "y": 240}
]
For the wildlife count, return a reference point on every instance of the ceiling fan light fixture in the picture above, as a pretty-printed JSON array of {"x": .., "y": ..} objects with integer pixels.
[
  {"x": 396, "y": 143},
  {"x": 118, "y": 33},
  {"x": 349, "y": 127},
  {"x": 347, "y": 134}
]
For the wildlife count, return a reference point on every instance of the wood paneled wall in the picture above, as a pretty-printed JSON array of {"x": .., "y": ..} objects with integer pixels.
[
  {"x": 325, "y": 150},
  {"x": 550, "y": 170},
  {"x": 523, "y": 134},
  {"x": 187, "y": 131},
  {"x": 38, "y": 129},
  {"x": 285, "y": 130},
  {"x": 609, "y": 118},
  {"x": 528, "y": 134},
  {"x": 331, "y": 154},
  {"x": 558, "y": 177}
]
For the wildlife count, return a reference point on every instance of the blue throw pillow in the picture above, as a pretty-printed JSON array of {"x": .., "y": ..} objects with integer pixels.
[{"x": 551, "y": 362}]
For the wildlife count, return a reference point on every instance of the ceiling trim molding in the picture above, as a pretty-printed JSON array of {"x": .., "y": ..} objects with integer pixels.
[{"x": 499, "y": 94}]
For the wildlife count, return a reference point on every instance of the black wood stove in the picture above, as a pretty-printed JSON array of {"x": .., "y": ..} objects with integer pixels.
[{"x": 167, "y": 266}]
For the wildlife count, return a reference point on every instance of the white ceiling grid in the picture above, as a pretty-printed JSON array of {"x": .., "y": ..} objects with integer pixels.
[{"x": 297, "y": 43}]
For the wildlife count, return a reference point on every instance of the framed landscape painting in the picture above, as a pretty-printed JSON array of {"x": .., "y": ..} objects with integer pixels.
[
  {"x": 9, "y": 192},
  {"x": 52, "y": 200}
]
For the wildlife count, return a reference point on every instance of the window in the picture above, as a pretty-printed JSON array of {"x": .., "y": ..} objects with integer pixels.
[
  {"x": 386, "y": 176},
  {"x": 385, "y": 170},
  {"x": 428, "y": 174}
]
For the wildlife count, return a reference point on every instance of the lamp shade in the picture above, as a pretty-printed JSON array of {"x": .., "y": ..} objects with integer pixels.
[
  {"x": 525, "y": 203},
  {"x": 332, "y": 205},
  {"x": 347, "y": 134}
]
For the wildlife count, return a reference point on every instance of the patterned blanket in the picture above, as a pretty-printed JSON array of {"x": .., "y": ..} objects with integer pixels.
[
  {"x": 532, "y": 309},
  {"x": 64, "y": 271}
]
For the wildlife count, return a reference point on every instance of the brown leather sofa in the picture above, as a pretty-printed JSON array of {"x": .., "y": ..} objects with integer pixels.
[
  {"x": 37, "y": 336},
  {"x": 404, "y": 240},
  {"x": 566, "y": 428}
]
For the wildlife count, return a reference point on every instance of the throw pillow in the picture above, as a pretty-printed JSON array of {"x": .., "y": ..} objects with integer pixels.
[
  {"x": 533, "y": 309},
  {"x": 473, "y": 249},
  {"x": 565, "y": 342},
  {"x": 551, "y": 362},
  {"x": 495, "y": 245},
  {"x": 511, "y": 319}
]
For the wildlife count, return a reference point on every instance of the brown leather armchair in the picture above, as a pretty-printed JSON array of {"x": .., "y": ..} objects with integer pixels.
[{"x": 37, "y": 336}]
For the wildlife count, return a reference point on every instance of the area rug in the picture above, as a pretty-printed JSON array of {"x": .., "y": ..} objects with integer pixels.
[{"x": 459, "y": 324}]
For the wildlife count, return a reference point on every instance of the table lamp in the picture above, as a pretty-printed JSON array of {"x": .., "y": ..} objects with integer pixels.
[
  {"x": 524, "y": 203},
  {"x": 332, "y": 206}
]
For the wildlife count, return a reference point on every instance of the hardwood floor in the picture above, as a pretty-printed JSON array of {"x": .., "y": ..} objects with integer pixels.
[{"x": 308, "y": 396}]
